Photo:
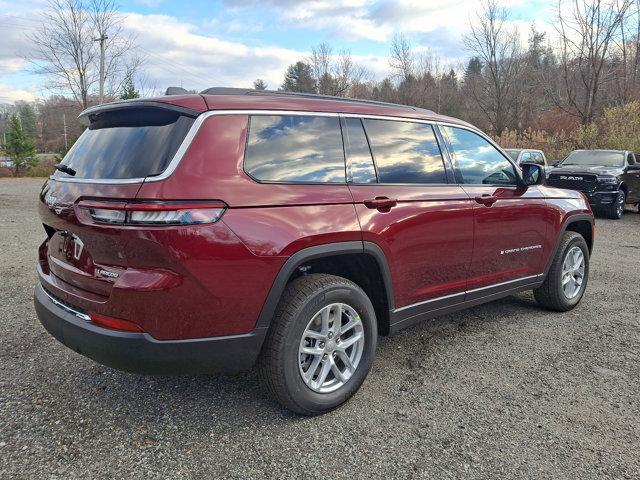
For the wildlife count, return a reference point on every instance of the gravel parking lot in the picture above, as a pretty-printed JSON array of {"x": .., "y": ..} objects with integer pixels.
[{"x": 504, "y": 390}]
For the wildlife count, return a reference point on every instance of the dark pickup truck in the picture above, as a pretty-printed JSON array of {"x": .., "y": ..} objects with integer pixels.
[{"x": 609, "y": 178}]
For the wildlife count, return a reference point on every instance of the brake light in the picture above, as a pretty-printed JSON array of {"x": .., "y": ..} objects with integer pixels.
[
  {"x": 154, "y": 213},
  {"x": 114, "y": 323}
]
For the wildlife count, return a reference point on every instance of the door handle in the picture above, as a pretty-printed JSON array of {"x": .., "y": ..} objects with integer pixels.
[
  {"x": 486, "y": 199},
  {"x": 381, "y": 203}
]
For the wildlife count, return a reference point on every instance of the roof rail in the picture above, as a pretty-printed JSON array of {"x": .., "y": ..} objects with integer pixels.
[{"x": 275, "y": 93}]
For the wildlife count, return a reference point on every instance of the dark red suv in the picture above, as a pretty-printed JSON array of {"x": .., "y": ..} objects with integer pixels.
[{"x": 211, "y": 232}]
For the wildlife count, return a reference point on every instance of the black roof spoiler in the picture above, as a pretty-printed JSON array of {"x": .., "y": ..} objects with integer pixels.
[
  {"x": 91, "y": 113},
  {"x": 176, "y": 91}
]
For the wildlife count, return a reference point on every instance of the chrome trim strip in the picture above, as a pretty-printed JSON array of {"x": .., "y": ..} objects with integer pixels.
[
  {"x": 200, "y": 119},
  {"x": 505, "y": 283},
  {"x": 466, "y": 292},
  {"x": 67, "y": 308},
  {"x": 429, "y": 301},
  {"x": 118, "y": 181}
]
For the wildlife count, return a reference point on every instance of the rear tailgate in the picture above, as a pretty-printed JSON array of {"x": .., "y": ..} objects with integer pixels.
[{"x": 121, "y": 147}]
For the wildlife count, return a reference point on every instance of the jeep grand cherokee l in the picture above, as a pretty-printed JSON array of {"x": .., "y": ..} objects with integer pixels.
[
  {"x": 609, "y": 178},
  {"x": 211, "y": 232}
]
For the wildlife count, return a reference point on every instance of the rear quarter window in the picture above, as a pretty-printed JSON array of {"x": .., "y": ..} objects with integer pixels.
[
  {"x": 295, "y": 149},
  {"x": 126, "y": 144}
]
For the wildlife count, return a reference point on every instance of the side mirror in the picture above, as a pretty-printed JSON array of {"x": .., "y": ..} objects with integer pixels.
[
  {"x": 532, "y": 174},
  {"x": 633, "y": 167}
]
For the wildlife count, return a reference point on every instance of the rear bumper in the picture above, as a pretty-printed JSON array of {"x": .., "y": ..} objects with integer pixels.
[{"x": 140, "y": 352}]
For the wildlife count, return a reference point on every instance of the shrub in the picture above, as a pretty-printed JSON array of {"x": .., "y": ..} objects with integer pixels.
[
  {"x": 555, "y": 146},
  {"x": 621, "y": 127},
  {"x": 44, "y": 168}
]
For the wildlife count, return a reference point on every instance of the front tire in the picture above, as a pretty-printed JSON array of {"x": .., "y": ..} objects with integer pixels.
[
  {"x": 321, "y": 344},
  {"x": 616, "y": 210},
  {"x": 566, "y": 281}
]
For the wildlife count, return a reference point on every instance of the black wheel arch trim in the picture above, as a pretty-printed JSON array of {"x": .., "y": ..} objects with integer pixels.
[{"x": 319, "y": 251}]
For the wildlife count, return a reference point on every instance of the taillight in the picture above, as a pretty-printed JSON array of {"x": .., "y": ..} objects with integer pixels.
[
  {"x": 153, "y": 213},
  {"x": 114, "y": 323}
]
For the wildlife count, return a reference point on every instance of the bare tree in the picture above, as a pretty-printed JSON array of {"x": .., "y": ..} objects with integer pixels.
[
  {"x": 626, "y": 61},
  {"x": 320, "y": 61},
  {"x": 495, "y": 91},
  {"x": 66, "y": 52},
  {"x": 335, "y": 75},
  {"x": 402, "y": 60},
  {"x": 587, "y": 31}
]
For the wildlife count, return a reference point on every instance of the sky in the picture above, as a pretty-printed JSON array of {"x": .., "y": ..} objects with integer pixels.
[{"x": 199, "y": 44}]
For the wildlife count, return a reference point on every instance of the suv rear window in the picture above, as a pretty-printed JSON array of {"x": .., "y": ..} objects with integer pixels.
[
  {"x": 125, "y": 144},
  {"x": 295, "y": 149}
]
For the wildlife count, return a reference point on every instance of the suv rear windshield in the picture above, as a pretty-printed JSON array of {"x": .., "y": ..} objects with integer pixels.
[{"x": 128, "y": 143}]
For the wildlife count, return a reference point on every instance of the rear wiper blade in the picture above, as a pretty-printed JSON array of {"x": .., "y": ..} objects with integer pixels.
[{"x": 65, "y": 169}]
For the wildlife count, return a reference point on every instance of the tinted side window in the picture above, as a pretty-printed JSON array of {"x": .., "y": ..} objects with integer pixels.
[
  {"x": 630, "y": 159},
  {"x": 526, "y": 157},
  {"x": 295, "y": 148},
  {"x": 359, "y": 162},
  {"x": 405, "y": 152},
  {"x": 477, "y": 161}
]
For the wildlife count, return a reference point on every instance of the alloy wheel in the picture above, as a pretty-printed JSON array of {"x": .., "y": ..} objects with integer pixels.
[
  {"x": 331, "y": 348},
  {"x": 573, "y": 269}
]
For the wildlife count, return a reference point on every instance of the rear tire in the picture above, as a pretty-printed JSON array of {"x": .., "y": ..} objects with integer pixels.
[
  {"x": 616, "y": 209},
  {"x": 319, "y": 313},
  {"x": 556, "y": 293}
]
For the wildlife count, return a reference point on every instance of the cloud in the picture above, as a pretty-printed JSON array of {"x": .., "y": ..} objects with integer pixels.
[
  {"x": 9, "y": 94},
  {"x": 177, "y": 52},
  {"x": 174, "y": 53},
  {"x": 150, "y": 3},
  {"x": 14, "y": 46}
]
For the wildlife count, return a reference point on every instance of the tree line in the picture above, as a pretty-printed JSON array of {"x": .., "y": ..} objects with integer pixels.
[
  {"x": 578, "y": 87},
  {"x": 558, "y": 93}
]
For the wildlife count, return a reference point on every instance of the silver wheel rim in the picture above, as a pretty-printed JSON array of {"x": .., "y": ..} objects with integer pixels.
[
  {"x": 331, "y": 348},
  {"x": 620, "y": 204},
  {"x": 573, "y": 272}
]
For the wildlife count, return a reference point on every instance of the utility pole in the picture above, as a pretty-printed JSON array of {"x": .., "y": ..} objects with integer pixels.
[
  {"x": 101, "y": 40},
  {"x": 64, "y": 124}
]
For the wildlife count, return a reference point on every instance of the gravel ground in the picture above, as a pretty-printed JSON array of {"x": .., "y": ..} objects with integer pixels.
[{"x": 504, "y": 390}]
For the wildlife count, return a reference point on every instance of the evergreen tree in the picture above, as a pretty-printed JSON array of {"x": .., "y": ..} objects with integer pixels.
[
  {"x": 259, "y": 84},
  {"x": 129, "y": 89},
  {"x": 299, "y": 78},
  {"x": 474, "y": 67},
  {"x": 27, "y": 115},
  {"x": 20, "y": 147}
]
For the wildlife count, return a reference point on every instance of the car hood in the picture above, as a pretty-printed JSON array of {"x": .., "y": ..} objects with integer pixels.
[{"x": 595, "y": 170}]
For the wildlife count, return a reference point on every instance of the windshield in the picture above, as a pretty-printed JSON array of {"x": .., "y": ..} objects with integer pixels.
[
  {"x": 513, "y": 153},
  {"x": 126, "y": 144},
  {"x": 602, "y": 158}
]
